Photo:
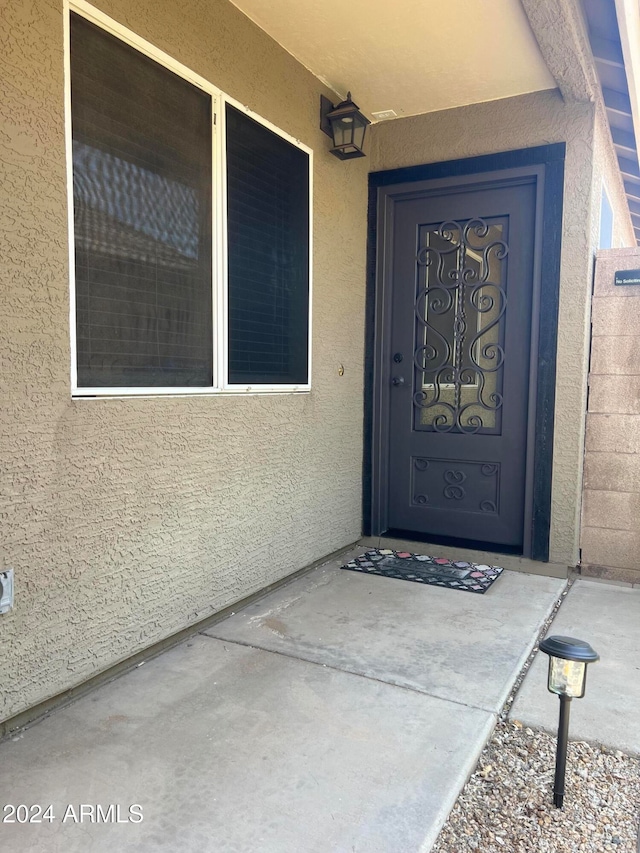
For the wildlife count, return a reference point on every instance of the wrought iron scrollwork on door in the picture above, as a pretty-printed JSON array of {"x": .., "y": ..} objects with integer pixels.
[
  {"x": 454, "y": 490},
  {"x": 460, "y": 302}
]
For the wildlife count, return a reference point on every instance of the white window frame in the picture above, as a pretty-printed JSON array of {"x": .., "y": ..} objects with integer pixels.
[{"x": 219, "y": 272}]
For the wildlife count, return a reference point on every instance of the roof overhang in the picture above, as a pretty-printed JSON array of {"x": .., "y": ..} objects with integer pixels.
[
  {"x": 628, "y": 20},
  {"x": 409, "y": 56}
]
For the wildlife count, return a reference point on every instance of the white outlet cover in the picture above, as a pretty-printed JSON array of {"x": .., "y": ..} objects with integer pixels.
[
  {"x": 383, "y": 114},
  {"x": 6, "y": 590}
]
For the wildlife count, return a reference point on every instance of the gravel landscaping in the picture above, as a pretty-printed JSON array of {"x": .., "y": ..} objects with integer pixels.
[{"x": 507, "y": 804}]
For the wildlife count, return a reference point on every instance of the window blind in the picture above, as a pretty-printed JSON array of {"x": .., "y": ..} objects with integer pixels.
[
  {"x": 142, "y": 211},
  {"x": 268, "y": 254}
]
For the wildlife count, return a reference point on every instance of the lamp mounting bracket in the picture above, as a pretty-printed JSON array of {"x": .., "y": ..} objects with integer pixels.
[{"x": 325, "y": 107}]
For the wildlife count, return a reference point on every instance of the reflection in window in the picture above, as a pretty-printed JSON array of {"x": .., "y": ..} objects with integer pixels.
[
  {"x": 142, "y": 218},
  {"x": 459, "y": 306}
]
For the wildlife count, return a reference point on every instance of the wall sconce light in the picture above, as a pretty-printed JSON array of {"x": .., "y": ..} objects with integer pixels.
[
  {"x": 346, "y": 126},
  {"x": 567, "y": 678}
]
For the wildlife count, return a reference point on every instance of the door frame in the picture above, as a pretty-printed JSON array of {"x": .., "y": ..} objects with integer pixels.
[{"x": 545, "y": 165}]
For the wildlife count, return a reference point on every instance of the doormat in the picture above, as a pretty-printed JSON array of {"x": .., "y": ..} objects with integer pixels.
[{"x": 436, "y": 571}]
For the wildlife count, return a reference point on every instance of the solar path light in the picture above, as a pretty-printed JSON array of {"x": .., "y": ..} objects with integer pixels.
[{"x": 568, "y": 659}]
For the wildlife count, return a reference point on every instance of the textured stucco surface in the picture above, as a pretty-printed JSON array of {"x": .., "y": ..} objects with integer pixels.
[
  {"x": 611, "y": 511},
  {"x": 562, "y": 38},
  {"x": 127, "y": 520},
  {"x": 607, "y": 174},
  {"x": 524, "y": 122}
]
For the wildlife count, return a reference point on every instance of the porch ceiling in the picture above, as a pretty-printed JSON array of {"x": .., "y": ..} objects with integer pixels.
[{"x": 409, "y": 56}]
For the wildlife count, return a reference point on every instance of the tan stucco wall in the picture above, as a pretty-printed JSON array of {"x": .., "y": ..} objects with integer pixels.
[
  {"x": 611, "y": 512},
  {"x": 607, "y": 172},
  {"x": 127, "y": 520},
  {"x": 523, "y": 122}
]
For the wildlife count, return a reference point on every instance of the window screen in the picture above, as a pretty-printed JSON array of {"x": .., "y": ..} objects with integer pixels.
[
  {"x": 142, "y": 207},
  {"x": 268, "y": 255}
]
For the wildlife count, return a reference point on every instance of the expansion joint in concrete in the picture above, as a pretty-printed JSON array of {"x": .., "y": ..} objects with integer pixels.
[
  {"x": 351, "y": 672},
  {"x": 542, "y": 633}
]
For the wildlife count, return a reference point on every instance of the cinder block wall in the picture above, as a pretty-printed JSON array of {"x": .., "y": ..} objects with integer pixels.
[{"x": 610, "y": 538}]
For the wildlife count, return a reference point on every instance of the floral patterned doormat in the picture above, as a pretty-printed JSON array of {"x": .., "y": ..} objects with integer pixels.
[{"x": 419, "y": 568}]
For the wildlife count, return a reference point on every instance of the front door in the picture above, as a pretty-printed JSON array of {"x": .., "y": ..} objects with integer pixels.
[{"x": 458, "y": 349}]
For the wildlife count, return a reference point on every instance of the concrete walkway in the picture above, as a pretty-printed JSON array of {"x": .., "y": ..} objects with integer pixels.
[
  {"x": 607, "y": 616},
  {"x": 339, "y": 714}
]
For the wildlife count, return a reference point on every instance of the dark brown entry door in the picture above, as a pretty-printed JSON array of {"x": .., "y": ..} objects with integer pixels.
[{"x": 461, "y": 305}]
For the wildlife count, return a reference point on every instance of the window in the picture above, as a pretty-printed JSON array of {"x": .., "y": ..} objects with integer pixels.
[
  {"x": 268, "y": 203},
  {"x": 157, "y": 310}
]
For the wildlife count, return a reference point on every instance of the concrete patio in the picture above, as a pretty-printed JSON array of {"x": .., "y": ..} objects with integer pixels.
[{"x": 341, "y": 712}]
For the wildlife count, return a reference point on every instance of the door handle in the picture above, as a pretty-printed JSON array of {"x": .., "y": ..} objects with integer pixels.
[{"x": 397, "y": 380}]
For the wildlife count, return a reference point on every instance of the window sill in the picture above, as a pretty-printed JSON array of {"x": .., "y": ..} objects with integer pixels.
[{"x": 146, "y": 394}]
